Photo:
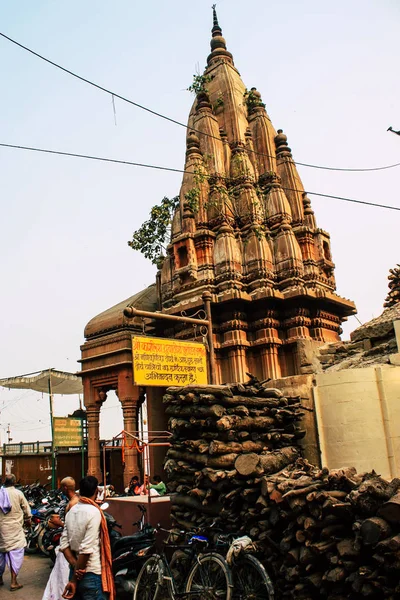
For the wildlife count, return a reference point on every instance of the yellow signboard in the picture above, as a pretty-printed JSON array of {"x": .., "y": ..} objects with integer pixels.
[
  {"x": 67, "y": 432},
  {"x": 164, "y": 362}
]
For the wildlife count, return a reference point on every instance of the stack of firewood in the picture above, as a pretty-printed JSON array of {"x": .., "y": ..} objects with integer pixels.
[
  {"x": 330, "y": 534},
  {"x": 212, "y": 427},
  {"x": 234, "y": 462}
]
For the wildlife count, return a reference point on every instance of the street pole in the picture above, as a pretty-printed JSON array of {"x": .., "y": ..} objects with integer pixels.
[
  {"x": 206, "y": 297},
  {"x": 53, "y": 454},
  {"x": 83, "y": 450}
]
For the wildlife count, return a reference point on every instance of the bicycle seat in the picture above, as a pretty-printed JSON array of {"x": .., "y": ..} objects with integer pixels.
[{"x": 198, "y": 538}]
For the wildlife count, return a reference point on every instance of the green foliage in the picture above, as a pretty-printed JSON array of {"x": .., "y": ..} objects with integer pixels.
[
  {"x": 199, "y": 84},
  {"x": 252, "y": 100},
  {"x": 153, "y": 236},
  {"x": 192, "y": 198},
  {"x": 219, "y": 103}
]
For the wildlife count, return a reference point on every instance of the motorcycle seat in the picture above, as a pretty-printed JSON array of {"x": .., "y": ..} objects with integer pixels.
[{"x": 136, "y": 539}]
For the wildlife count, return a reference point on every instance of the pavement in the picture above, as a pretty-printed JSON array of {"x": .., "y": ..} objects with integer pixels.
[{"x": 33, "y": 575}]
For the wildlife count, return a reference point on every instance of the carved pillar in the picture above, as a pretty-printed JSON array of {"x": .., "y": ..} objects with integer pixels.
[
  {"x": 129, "y": 409},
  {"x": 93, "y": 400},
  {"x": 238, "y": 364},
  {"x": 270, "y": 362},
  {"x": 128, "y": 395}
]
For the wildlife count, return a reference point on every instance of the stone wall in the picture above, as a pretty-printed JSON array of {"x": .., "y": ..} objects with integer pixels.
[{"x": 358, "y": 419}]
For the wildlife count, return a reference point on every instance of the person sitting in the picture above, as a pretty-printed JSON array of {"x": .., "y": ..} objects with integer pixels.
[
  {"x": 135, "y": 487},
  {"x": 158, "y": 485}
]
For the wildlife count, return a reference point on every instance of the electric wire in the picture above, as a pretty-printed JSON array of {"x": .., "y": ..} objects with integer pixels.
[
  {"x": 160, "y": 168},
  {"x": 176, "y": 122}
]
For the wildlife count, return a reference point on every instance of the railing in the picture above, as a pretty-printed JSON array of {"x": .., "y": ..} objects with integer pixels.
[{"x": 32, "y": 448}]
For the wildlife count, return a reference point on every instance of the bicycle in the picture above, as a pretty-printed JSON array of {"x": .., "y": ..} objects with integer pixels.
[
  {"x": 201, "y": 575},
  {"x": 250, "y": 578}
]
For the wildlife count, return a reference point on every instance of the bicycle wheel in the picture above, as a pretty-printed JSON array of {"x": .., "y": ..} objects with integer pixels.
[
  {"x": 147, "y": 583},
  {"x": 210, "y": 578},
  {"x": 251, "y": 580}
]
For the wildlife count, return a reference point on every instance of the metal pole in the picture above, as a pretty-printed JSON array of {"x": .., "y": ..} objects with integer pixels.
[
  {"x": 131, "y": 312},
  {"x": 53, "y": 454},
  {"x": 83, "y": 451},
  {"x": 104, "y": 469},
  {"x": 207, "y": 307}
]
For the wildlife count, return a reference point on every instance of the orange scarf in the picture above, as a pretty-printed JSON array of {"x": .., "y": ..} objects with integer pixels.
[{"x": 107, "y": 579}]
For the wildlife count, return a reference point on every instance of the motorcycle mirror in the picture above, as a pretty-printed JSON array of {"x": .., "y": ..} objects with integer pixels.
[
  {"x": 49, "y": 477},
  {"x": 45, "y": 501},
  {"x": 104, "y": 506}
]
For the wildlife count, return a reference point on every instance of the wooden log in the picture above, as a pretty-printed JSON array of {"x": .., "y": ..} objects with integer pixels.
[
  {"x": 390, "y": 510},
  {"x": 300, "y": 536},
  {"x": 215, "y": 475},
  {"x": 252, "y": 464},
  {"x": 196, "y": 446},
  {"x": 217, "y": 447},
  {"x": 245, "y": 423},
  {"x": 333, "y": 531},
  {"x": 216, "y": 390},
  {"x": 225, "y": 461},
  {"x": 194, "y": 504},
  {"x": 290, "y": 483},
  {"x": 215, "y": 410},
  {"x": 249, "y": 401},
  {"x": 347, "y": 548},
  {"x": 374, "y": 530},
  {"x": 198, "y": 493},
  {"x": 335, "y": 575},
  {"x": 302, "y": 491},
  {"x": 269, "y": 392},
  {"x": 391, "y": 544}
]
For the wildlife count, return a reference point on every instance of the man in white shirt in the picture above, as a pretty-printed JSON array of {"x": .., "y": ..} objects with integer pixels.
[{"x": 80, "y": 543}]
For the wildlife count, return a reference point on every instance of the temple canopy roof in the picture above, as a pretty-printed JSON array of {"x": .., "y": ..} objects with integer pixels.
[{"x": 113, "y": 318}]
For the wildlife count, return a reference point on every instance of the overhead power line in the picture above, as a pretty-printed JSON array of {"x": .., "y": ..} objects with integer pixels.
[
  {"x": 160, "y": 168},
  {"x": 165, "y": 117}
]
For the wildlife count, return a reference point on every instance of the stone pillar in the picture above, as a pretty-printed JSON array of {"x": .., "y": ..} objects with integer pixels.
[
  {"x": 238, "y": 364},
  {"x": 270, "y": 362},
  {"x": 129, "y": 409},
  {"x": 128, "y": 395},
  {"x": 93, "y": 401}
]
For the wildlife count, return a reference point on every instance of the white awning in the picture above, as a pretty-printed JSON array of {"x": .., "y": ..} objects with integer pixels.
[{"x": 61, "y": 382}]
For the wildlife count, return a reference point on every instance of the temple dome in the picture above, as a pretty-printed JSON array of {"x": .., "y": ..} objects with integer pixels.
[{"x": 113, "y": 318}]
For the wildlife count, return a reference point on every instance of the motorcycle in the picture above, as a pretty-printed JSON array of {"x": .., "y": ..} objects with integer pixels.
[
  {"x": 42, "y": 510},
  {"x": 129, "y": 552}
]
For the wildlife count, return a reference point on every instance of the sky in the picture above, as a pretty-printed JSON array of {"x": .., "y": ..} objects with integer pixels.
[{"x": 328, "y": 73}]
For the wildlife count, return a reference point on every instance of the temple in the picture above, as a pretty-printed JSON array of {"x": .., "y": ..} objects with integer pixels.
[{"x": 244, "y": 232}]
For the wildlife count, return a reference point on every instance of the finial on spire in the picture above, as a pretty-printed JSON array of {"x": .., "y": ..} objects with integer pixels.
[
  {"x": 215, "y": 18},
  {"x": 218, "y": 44},
  {"x": 216, "y": 30}
]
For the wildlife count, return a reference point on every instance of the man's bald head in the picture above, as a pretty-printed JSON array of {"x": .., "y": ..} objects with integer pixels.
[{"x": 68, "y": 484}]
